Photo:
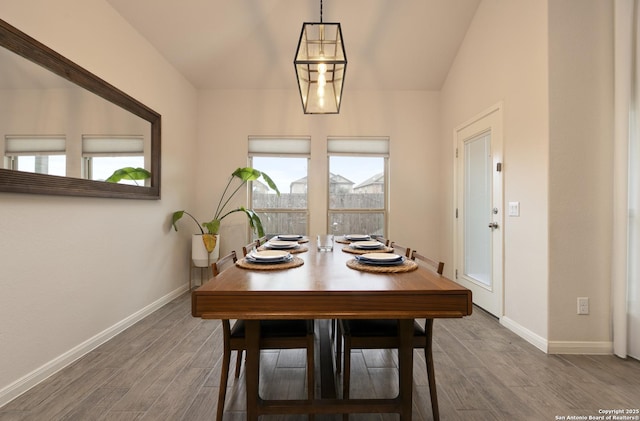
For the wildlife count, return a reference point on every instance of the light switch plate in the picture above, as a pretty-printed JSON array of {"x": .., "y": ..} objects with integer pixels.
[{"x": 514, "y": 208}]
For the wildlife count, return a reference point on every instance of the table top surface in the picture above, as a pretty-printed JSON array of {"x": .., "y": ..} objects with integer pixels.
[{"x": 325, "y": 287}]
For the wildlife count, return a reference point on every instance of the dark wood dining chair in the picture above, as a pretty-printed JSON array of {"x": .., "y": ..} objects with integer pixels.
[
  {"x": 274, "y": 334},
  {"x": 383, "y": 334}
]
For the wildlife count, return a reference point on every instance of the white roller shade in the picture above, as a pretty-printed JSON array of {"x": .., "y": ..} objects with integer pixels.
[
  {"x": 112, "y": 145},
  {"x": 279, "y": 146},
  {"x": 360, "y": 146},
  {"x": 33, "y": 145}
]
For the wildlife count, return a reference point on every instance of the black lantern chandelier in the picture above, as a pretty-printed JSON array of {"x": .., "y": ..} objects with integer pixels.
[{"x": 320, "y": 63}]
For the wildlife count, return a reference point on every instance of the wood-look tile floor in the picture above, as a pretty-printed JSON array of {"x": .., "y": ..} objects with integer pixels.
[{"x": 167, "y": 367}]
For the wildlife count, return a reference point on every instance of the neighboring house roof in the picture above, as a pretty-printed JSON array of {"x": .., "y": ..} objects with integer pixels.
[
  {"x": 334, "y": 178},
  {"x": 376, "y": 179},
  {"x": 302, "y": 180},
  {"x": 338, "y": 179},
  {"x": 259, "y": 186}
]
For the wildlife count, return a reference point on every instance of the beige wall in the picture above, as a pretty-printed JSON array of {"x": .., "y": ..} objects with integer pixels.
[
  {"x": 504, "y": 58},
  {"x": 67, "y": 273},
  {"x": 410, "y": 119},
  {"x": 581, "y": 172},
  {"x": 551, "y": 65}
]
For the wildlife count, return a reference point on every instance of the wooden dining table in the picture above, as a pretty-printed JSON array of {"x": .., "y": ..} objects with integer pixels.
[{"x": 325, "y": 287}]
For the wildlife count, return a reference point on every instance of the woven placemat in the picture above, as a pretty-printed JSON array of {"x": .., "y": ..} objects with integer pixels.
[
  {"x": 297, "y": 250},
  {"x": 406, "y": 266},
  {"x": 349, "y": 249},
  {"x": 293, "y": 263}
]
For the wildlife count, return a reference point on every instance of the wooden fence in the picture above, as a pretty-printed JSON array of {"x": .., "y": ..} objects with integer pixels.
[{"x": 343, "y": 215}]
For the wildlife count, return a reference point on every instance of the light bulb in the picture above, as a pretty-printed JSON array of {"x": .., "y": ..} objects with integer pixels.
[{"x": 322, "y": 80}]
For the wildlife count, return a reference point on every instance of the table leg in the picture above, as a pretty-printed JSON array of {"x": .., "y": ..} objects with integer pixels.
[
  {"x": 327, "y": 376},
  {"x": 252, "y": 372},
  {"x": 405, "y": 367}
]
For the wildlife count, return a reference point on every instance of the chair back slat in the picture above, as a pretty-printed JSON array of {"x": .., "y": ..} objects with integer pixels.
[
  {"x": 219, "y": 266},
  {"x": 437, "y": 267},
  {"x": 398, "y": 249},
  {"x": 249, "y": 247},
  {"x": 381, "y": 239}
]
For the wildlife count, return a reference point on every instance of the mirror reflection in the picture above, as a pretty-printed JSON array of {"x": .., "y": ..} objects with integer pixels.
[
  {"x": 54, "y": 128},
  {"x": 51, "y": 126}
]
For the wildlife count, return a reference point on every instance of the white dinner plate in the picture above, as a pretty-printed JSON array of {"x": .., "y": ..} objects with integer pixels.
[
  {"x": 277, "y": 244},
  {"x": 381, "y": 257},
  {"x": 288, "y": 237},
  {"x": 371, "y": 244},
  {"x": 357, "y": 237},
  {"x": 269, "y": 255},
  {"x": 391, "y": 260}
]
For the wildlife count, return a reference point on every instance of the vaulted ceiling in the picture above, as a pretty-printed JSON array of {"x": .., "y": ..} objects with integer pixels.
[{"x": 250, "y": 44}]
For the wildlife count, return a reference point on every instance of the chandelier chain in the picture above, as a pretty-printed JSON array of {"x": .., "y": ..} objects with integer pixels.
[{"x": 320, "y": 11}]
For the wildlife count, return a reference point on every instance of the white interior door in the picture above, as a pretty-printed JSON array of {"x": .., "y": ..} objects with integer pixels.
[{"x": 478, "y": 230}]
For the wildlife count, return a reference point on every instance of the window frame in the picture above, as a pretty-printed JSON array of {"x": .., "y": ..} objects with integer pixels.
[
  {"x": 88, "y": 153},
  {"x": 360, "y": 151},
  {"x": 280, "y": 153}
]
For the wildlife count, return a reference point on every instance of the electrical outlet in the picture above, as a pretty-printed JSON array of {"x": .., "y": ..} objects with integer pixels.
[{"x": 583, "y": 305}]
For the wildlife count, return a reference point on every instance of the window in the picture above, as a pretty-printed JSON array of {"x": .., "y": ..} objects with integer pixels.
[
  {"x": 105, "y": 154},
  {"x": 286, "y": 161},
  {"x": 358, "y": 185},
  {"x": 36, "y": 154}
]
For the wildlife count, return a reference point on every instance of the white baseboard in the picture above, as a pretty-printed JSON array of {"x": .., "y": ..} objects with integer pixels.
[
  {"x": 531, "y": 337},
  {"x": 575, "y": 347},
  {"x": 15, "y": 389},
  {"x": 558, "y": 347}
]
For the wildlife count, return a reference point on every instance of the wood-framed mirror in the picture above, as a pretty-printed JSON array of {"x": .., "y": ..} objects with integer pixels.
[{"x": 51, "y": 107}]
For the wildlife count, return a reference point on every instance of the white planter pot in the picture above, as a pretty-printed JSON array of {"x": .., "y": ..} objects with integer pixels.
[{"x": 201, "y": 258}]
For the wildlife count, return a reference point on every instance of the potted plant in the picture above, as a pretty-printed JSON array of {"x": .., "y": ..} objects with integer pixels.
[{"x": 211, "y": 237}]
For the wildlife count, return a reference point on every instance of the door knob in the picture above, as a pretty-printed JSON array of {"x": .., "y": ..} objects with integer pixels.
[{"x": 493, "y": 225}]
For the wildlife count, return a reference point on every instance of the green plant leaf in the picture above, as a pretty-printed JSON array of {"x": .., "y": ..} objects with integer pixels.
[
  {"x": 128, "y": 173},
  {"x": 254, "y": 221},
  {"x": 179, "y": 214},
  {"x": 175, "y": 218},
  {"x": 212, "y": 226},
  {"x": 270, "y": 183},
  {"x": 246, "y": 174}
]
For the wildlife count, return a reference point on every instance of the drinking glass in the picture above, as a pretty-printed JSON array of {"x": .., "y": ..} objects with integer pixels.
[{"x": 325, "y": 242}]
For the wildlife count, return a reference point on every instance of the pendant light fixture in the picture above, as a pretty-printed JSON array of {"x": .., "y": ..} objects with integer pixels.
[{"x": 320, "y": 63}]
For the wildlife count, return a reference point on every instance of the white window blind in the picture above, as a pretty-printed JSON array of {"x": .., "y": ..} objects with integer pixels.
[
  {"x": 359, "y": 146},
  {"x": 112, "y": 145},
  {"x": 34, "y": 145},
  {"x": 279, "y": 145}
]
